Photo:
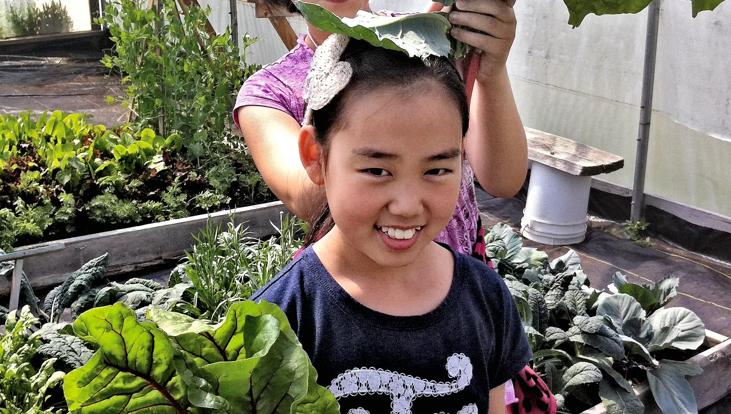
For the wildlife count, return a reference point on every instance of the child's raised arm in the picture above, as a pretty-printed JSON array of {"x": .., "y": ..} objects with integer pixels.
[{"x": 496, "y": 145}]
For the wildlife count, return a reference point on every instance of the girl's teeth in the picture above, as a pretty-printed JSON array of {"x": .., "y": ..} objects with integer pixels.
[{"x": 398, "y": 233}]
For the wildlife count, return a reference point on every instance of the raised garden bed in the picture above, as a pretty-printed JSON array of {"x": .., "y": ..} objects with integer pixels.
[
  {"x": 708, "y": 387},
  {"x": 137, "y": 248}
]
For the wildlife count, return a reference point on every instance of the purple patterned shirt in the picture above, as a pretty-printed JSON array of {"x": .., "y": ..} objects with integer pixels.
[{"x": 279, "y": 86}]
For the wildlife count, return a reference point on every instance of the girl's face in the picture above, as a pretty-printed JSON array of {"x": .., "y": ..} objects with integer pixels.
[{"x": 393, "y": 173}]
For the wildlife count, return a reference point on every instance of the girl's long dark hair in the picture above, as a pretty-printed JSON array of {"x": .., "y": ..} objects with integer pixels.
[{"x": 375, "y": 68}]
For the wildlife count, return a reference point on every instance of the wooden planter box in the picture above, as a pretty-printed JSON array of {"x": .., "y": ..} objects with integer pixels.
[
  {"x": 136, "y": 248},
  {"x": 710, "y": 386}
]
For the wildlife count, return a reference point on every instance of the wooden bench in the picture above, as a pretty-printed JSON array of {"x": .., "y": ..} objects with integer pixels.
[{"x": 558, "y": 192}]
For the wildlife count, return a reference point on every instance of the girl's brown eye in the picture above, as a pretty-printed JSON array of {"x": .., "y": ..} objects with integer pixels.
[
  {"x": 439, "y": 171},
  {"x": 380, "y": 172}
]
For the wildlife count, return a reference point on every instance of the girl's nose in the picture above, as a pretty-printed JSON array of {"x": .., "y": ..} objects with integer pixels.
[{"x": 406, "y": 201}]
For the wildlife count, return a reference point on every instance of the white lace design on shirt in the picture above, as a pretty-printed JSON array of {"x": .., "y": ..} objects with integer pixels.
[{"x": 403, "y": 389}]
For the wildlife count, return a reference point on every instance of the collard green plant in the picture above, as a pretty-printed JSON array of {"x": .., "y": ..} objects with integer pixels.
[
  {"x": 579, "y": 9},
  {"x": 387, "y": 31},
  {"x": 23, "y": 388},
  {"x": 590, "y": 345},
  {"x": 249, "y": 363},
  {"x": 78, "y": 291}
]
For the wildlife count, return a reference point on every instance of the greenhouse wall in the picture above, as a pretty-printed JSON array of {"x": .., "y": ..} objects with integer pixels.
[{"x": 585, "y": 84}]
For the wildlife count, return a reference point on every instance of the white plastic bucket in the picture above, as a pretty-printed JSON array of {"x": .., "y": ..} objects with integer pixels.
[{"x": 555, "y": 211}]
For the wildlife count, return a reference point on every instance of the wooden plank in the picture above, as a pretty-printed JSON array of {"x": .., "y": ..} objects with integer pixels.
[
  {"x": 263, "y": 8},
  {"x": 569, "y": 156},
  {"x": 277, "y": 16},
  {"x": 137, "y": 248},
  {"x": 285, "y": 31}
]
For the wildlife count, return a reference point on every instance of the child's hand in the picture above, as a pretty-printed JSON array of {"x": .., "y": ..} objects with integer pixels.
[{"x": 489, "y": 27}]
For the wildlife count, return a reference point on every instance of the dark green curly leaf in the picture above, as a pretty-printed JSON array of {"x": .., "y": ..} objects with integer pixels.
[
  {"x": 595, "y": 333},
  {"x": 579, "y": 374},
  {"x": 70, "y": 351},
  {"x": 77, "y": 284}
]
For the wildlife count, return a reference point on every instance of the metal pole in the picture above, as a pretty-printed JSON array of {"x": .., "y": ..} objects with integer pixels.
[
  {"x": 234, "y": 14},
  {"x": 643, "y": 134}
]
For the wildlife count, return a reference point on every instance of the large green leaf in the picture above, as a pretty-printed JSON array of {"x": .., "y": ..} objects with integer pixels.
[
  {"x": 624, "y": 311},
  {"x": 578, "y": 9},
  {"x": 252, "y": 359},
  {"x": 420, "y": 34},
  {"x": 132, "y": 370},
  {"x": 675, "y": 328},
  {"x": 701, "y": 5},
  {"x": 670, "y": 389}
]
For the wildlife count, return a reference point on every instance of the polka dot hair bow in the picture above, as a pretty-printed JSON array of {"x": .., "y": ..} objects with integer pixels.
[{"x": 327, "y": 75}]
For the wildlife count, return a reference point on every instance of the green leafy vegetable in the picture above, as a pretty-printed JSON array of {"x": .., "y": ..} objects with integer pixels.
[
  {"x": 23, "y": 388},
  {"x": 75, "y": 287},
  {"x": 251, "y": 362},
  {"x": 578, "y": 9},
  {"x": 419, "y": 34}
]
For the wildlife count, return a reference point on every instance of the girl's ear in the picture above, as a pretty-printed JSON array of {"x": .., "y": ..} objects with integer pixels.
[{"x": 311, "y": 154}]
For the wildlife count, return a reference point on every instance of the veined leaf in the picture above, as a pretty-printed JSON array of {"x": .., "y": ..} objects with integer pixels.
[
  {"x": 579, "y": 374},
  {"x": 252, "y": 359},
  {"x": 132, "y": 370},
  {"x": 670, "y": 389},
  {"x": 675, "y": 328},
  {"x": 617, "y": 400},
  {"x": 578, "y": 9},
  {"x": 420, "y": 34},
  {"x": 625, "y": 313}
]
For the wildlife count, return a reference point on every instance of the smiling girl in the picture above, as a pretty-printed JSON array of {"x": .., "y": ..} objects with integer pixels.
[{"x": 392, "y": 320}]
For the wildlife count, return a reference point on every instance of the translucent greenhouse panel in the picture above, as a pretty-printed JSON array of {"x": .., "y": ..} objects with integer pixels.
[{"x": 585, "y": 84}]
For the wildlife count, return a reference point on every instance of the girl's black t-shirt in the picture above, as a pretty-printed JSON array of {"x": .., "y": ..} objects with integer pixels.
[{"x": 445, "y": 361}]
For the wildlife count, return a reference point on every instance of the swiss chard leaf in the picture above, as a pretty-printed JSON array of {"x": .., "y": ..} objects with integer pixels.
[
  {"x": 132, "y": 370},
  {"x": 252, "y": 359}
]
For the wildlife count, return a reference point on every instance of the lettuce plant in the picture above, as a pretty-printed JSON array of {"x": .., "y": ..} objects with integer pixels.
[
  {"x": 23, "y": 388},
  {"x": 251, "y": 362}
]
